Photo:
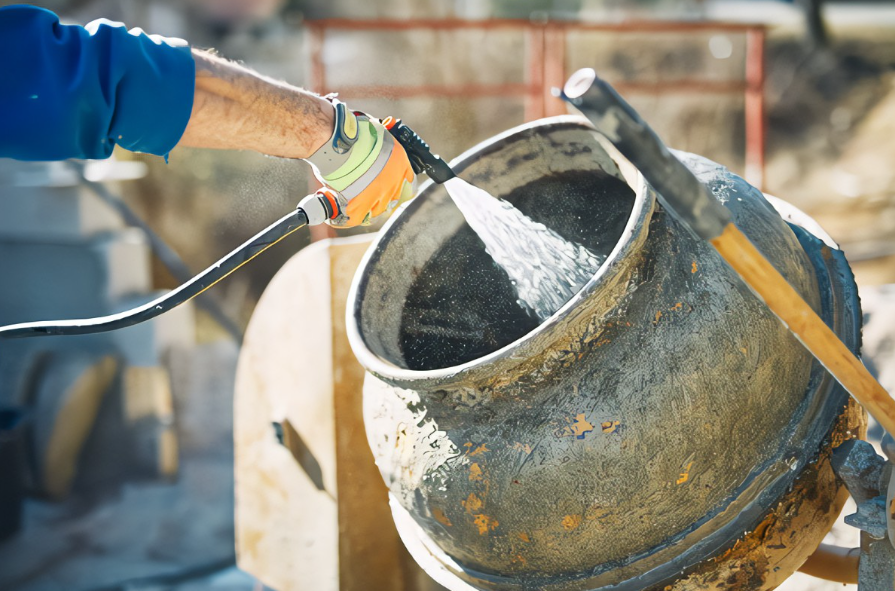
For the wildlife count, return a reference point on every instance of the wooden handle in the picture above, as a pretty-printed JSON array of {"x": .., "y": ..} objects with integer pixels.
[{"x": 814, "y": 334}]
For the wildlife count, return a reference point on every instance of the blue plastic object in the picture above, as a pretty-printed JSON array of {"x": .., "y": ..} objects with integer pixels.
[{"x": 68, "y": 91}]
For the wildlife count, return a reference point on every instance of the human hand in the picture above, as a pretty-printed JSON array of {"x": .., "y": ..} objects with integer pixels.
[{"x": 364, "y": 166}]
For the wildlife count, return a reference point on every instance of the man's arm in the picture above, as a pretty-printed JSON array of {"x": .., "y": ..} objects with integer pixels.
[
  {"x": 352, "y": 153},
  {"x": 236, "y": 108},
  {"x": 76, "y": 92}
]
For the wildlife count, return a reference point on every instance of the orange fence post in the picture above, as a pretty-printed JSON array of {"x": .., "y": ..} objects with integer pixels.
[
  {"x": 534, "y": 72},
  {"x": 754, "y": 108},
  {"x": 318, "y": 67},
  {"x": 554, "y": 69}
]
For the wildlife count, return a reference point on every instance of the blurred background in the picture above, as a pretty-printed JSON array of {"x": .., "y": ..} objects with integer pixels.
[{"x": 128, "y": 480}]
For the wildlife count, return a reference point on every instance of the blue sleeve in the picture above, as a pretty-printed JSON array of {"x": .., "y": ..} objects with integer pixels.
[{"x": 76, "y": 92}]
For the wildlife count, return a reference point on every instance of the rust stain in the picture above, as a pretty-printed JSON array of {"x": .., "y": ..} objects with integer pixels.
[
  {"x": 677, "y": 307},
  {"x": 855, "y": 428},
  {"x": 519, "y": 558},
  {"x": 524, "y": 447},
  {"x": 581, "y": 426},
  {"x": 475, "y": 473},
  {"x": 685, "y": 475},
  {"x": 570, "y": 522},
  {"x": 744, "y": 351},
  {"x": 474, "y": 452},
  {"x": 440, "y": 517},
  {"x": 269, "y": 482},
  {"x": 609, "y": 426},
  {"x": 249, "y": 541},
  {"x": 595, "y": 512},
  {"x": 485, "y": 523},
  {"x": 578, "y": 428},
  {"x": 694, "y": 268},
  {"x": 524, "y": 537},
  {"x": 473, "y": 503}
]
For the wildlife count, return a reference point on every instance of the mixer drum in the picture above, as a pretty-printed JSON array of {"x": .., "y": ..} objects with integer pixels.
[{"x": 662, "y": 428}]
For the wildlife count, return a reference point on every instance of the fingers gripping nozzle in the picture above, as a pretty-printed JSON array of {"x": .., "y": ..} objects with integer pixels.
[{"x": 421, "y": 157}]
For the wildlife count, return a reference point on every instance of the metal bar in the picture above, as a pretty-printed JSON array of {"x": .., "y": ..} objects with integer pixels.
[
  {"x": 633, "y": 26},
  {"x": 438, "y": 90},
  {"x": 755, "y": 108},
  {"x": 318, "y": 67},
  {"x": 533, "y": 90},
  {"x": 649, "y": 26},
  {"x": 413, "y": 24},
  {"x": 554, "y": 69},
  {"x": 318, "y": 85},
  {"x": 534, "y": 68},
  {"x": 684, "y": 86}
]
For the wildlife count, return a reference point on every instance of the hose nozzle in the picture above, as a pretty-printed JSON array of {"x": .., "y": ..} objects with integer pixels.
[
  {"x": 421, "y": 157},
  {"x": 321, "y": 206}
]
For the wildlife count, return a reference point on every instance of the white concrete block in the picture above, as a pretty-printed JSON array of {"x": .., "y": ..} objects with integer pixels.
[
  {"x": 74, "y": 279},
  {"x": 43, "y": 201}
]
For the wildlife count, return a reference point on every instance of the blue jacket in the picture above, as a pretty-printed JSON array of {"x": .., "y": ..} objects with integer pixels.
[{"x": 76, "y": 92}]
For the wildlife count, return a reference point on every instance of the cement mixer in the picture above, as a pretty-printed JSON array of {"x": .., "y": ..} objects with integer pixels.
[{"x": 661, "y": 430}]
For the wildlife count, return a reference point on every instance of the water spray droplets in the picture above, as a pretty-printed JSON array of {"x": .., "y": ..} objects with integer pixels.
[{"x": 545, "y": 269}]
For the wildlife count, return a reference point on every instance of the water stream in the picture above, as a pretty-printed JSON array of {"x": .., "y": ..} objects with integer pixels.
[
  {"x": 545, "y": 269},
  {"x": 516, "y": 261}
]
